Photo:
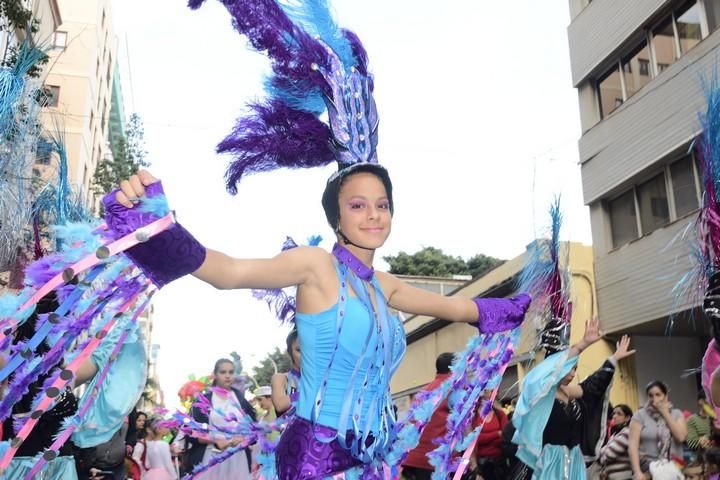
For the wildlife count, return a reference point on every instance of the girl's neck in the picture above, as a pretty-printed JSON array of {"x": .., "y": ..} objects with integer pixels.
[{"x": 364, "y": 255}]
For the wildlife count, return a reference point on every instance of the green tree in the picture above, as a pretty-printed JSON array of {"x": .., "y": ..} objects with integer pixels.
[
  {"x": 479, "y": 264},
  {"x": 16, "y": 16},
  {"x": 433, "y": 262},
  {"x": 127, "y": 159},
  {"x": 266, "y": 369}
]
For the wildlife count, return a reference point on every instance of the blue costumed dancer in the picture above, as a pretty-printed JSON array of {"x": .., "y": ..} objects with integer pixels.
[
  {"x": 559, "y": 426},
  {"x": 352, "y": 342}
]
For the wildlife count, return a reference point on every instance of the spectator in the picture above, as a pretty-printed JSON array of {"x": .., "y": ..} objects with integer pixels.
[
  {"x": 107, "y": 457},
  {"x": 614, "y": 458},
  {"x": 657, "y": 433},
  {"x": 488, "y": 452},
  {"x": 416, "y": 465},
  {"x": 699, "y": 426},
  {"x": 694, "y": 471},
  {"x": 264, "y": 396},
  {"x": 152, "y": 453},
  {"x": 285, "y": 385},
  {"x": 201, "y": 451},
  {"x": 140, "y": 420}
]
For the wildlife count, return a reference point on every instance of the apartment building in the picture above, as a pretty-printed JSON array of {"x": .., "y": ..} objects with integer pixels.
[{"x": 639, "y": 69}]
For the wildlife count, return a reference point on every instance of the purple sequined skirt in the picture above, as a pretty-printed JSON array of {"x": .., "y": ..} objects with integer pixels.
[{"x": 300, "y": 456}]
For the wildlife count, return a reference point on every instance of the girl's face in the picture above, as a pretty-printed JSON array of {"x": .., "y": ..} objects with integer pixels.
[
  {"x": 655, "y": 395},
  {"x": 365, "y": 210},
  {"x": 224, "y": 375},
  {"x": 619, "y": 417},
  {"x": 140, "y": 422},
  {"x": 295, "y": 353}
]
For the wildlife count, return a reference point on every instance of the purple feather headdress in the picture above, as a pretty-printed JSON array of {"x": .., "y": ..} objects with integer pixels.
[{"x": 317, "y": 67}]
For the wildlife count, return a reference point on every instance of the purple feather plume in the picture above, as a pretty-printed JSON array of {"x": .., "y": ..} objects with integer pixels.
[
  {"x": 291, "y": 50},
  {"x": 195, "y": 4},
  {"x": 276, "y": 136}
]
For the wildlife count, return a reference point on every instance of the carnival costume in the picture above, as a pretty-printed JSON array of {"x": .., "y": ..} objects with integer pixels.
[
  {"x": 704, "y": 278},
  {"x": 556, "y": 439}
]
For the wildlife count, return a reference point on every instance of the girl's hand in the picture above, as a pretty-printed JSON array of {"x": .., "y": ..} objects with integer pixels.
[{"x": 133, "y": 188}]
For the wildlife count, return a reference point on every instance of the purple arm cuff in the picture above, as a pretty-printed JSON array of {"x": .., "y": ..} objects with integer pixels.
[
  {"x": 501, "y": 314},
  {"x": 163, "y": 258}
]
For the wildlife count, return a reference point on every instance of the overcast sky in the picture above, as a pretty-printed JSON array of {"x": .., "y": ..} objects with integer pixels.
[{"x": 479, "y": 127}]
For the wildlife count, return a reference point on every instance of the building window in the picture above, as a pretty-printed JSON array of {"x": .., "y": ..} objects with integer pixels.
[
  {"x": 60, "y": 40},
  {"x": 36, "y": 172},
  {"x": 92, "y": 117},
  {"x": 663, "y": 41},
  {"x": 634, "y": 73},
  {"x": 653, "y": 203},
  {"x": 102, "y": 23},
  {"x": 712, "y": 10},
  {"x": 682, "y": 176},
  {"x": 610, "y": 92},
  {"x": 675, "y": 35},
  {"x": 623, "y": 220},
  {"x": 103, "y": 119},
  {"x": 650, "y": 203},
  {"x": 97, "y": 68},
  {"x": 688, "y": 26},
  {"x": 53, "y": 95},
  {"x": 109, "y": 71},
  {"x": 43, "y": 156}
]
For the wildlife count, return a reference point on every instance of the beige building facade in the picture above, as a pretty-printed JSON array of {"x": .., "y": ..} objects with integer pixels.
[
  {"x": 80, "y": 77},
  {"x": 428, "y": 337},
  {"x": 638, "y": 68},
  {"x": 86, "y": 102}
]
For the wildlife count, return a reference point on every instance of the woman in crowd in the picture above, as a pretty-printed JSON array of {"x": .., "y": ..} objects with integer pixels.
[
  {"x": 657, "y": 433},
  {"x": 614, "y": 459},
  {"x": 200, "y": 450},
  {"x": 140, "y": 420},
  {"x": 285, "y": 385},
  {"x": 152, "y": 453}
]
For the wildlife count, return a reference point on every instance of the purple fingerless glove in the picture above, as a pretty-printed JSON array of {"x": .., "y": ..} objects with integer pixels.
[
  {"x": 501, "y": 314},
  {"x": 163, "y": 258}
]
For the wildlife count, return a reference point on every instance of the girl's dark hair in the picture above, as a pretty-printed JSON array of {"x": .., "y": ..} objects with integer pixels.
[
  {"x": 292, "y": 336},
  {"x": 627, "y": 411},
  {"x": 217, "y": 367},
  {"x": 656, "y": 383}
]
